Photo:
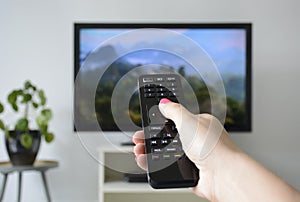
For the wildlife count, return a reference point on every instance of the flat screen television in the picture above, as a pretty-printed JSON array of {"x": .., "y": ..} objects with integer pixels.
[{"x": 227, "y": 44}]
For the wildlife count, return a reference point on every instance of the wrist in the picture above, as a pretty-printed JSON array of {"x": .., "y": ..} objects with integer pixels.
[
  {"x": 217, "y": 169},
  {"x": 226, "y": 173}
]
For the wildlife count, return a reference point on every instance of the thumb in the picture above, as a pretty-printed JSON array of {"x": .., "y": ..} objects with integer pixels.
[
  {"x": 187, "y": 125},
  {"x": 175, "y": 111},
  {"x": 199, "y": 134}
]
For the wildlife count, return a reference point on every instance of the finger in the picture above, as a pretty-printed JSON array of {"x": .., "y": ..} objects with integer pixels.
[
  {"x": 139, "y": 149},
  {"x": 199, "y": 134},
  {"x": 138, "y": 137},
  {"x": 186, "y": 123},
  {"x": 174, "y": 111},
  {"x": 141, "y": 161}
]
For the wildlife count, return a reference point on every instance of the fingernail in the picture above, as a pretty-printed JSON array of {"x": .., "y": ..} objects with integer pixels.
[
  {"x": 133, "y": 149},
  {"x": 164, "y": 101}
]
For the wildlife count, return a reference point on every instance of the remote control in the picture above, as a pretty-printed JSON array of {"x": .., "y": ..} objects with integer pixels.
[{"x": 168, "y": 166}]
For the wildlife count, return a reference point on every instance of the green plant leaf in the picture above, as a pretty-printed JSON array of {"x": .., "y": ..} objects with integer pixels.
[
  {"x": 42, "y": 97},
  {"x": 15, "y": 107},
  {"x": 47, "y": 113},
  {"x": 2, "y": 126},
  {"x": 26, "y": 140},
  {"x": 27, "y": 85},
  {"x": 12, "y": 97},
  {"x": 49, "y": 137},
  {"x": 19, "y": 92},
  {"x": 22, "y": 124},
  {"x": 44, "y": 118},
  {"x": 41, "y": 120},
  {"x": 26, "y": 98},
  {"x": 43, "y": 129},
  {"x": 35, "y": 105},
  {"x": 1, "y": 108}
]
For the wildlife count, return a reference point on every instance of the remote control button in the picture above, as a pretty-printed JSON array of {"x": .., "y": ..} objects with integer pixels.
[
  {"x": 162, "y": 94},
  {"x": 156, "y": 128},
  {"x": 177, "y": 156},
  {"x": 171, "y": 84},
  {"x": 149, "y": 85},
  {"x": 175, "y": 141},
  {"x": 149, "y": 90},
  {"x": 156, "y": 150},
  {"x": 164, "y": 141},
  {"x": 147, "y": 80},
  {"x": 160, "y": 79},
  {"x": 167, "y": 135},
  {"x": 155, "y": 157},
  {"x": 166, "y": 156},
  {"x": 154, "y": 135},
  {"x": 171, "y": 78},
  {"x": 173, "y": 94},
  {"x": 153, "y": 142},
  {"x": 173, "y": 89},
  {"x": 149, "y": 95},
  {"x": 161, "y": 90},
  {"x": 171, "y": 150}
]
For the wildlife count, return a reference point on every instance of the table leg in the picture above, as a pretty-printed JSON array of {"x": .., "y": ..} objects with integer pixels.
[
  {"x": 3, "y": 186},
  {"x": 46, "y": 186},
  {"x": 20, "y": 186}
]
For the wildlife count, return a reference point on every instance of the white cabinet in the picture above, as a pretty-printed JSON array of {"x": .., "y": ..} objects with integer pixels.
[{"x": 112, "y": 187}]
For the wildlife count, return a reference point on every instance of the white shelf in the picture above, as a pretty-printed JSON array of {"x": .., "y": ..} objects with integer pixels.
[
  {"x": 121, "y": 159},
  {"x": 116, "y": 149},
  {"x": 126, "y": 187}
]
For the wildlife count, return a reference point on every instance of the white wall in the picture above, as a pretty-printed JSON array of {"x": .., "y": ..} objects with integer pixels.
[{"x": 36, "y": 42}]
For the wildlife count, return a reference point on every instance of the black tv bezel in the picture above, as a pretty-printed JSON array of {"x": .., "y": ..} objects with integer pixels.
[{"x": 246, "y": 26}]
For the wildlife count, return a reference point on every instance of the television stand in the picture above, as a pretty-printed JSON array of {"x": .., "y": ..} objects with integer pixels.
[{"x": 113, "y": 187}]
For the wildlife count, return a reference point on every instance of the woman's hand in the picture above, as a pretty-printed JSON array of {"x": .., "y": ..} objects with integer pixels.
[
  {"x": 226, "y": 173},
  {"x": 194, "y": 130}
]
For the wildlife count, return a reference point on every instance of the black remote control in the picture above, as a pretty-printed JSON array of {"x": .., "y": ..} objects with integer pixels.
[{"x": 168, "y": 166}]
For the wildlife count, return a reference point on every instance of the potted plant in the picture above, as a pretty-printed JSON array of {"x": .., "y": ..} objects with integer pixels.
[{"x": 23, "y": 142}]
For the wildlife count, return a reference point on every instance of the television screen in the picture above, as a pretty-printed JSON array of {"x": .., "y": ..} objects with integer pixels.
[{"x": 228, "y": 46}]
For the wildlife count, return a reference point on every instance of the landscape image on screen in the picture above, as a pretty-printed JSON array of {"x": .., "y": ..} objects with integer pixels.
[{"x": 226, "y": 47}]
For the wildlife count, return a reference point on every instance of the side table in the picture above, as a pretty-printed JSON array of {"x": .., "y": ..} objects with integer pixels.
[{"x": 40, "y": 165}]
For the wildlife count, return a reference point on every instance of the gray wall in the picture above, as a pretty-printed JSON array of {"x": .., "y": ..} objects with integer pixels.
[{"x": 36, "y": 42}]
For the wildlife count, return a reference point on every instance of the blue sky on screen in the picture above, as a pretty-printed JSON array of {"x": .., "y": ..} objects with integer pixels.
[{"x": 225, "y": 46}]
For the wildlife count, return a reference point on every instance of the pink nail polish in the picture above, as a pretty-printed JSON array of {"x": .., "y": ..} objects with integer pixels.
[{"x": 164, "y": 101}]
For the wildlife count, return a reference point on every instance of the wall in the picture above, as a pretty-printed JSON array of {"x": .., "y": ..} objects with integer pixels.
[{"x": 36, "y": 42}]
